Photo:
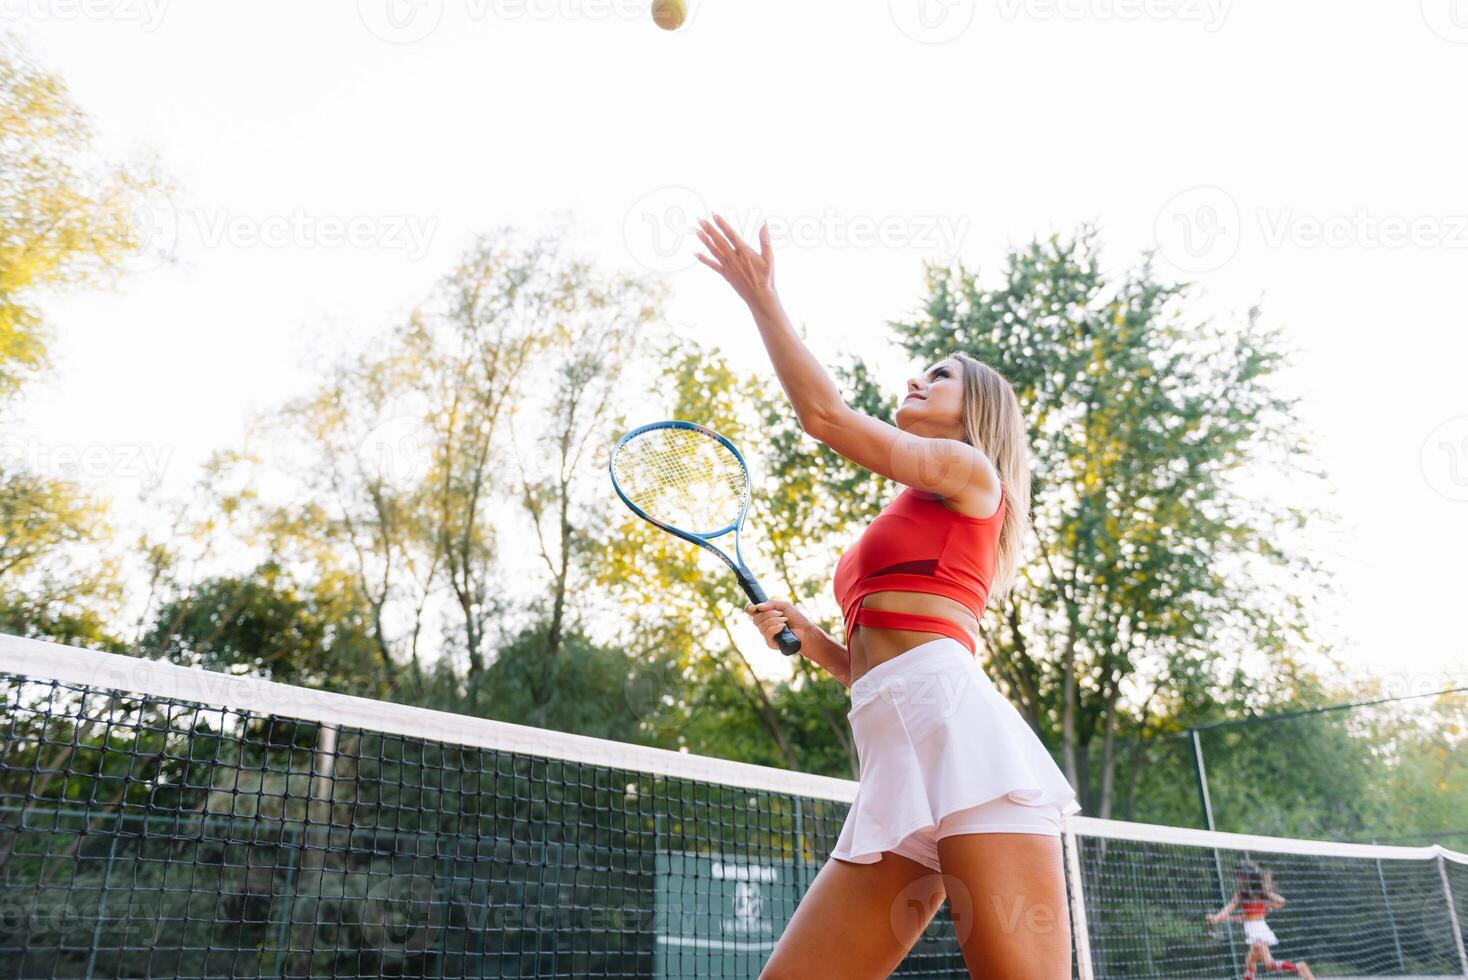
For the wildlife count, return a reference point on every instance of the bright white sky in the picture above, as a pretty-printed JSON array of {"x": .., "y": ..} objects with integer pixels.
[{"x": 1308, "y": 154}]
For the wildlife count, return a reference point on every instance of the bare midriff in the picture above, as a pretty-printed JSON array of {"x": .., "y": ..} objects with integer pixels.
[{"x": 870, "y": 646}]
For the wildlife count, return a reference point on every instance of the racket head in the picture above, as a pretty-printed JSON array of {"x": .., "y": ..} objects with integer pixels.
[{"x": 682, "y": 477}]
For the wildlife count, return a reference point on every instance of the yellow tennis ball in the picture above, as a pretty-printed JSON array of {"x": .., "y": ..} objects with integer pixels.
[{"x": 669, "y": 14}]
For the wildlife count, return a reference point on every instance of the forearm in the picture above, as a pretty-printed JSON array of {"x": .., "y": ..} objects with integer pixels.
[
  {"x": 810, "y": 389},
  {"x": 830, "y": 655}
]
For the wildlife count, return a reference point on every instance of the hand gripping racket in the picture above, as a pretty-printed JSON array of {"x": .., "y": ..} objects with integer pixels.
[{"x": 690, "y": 481}]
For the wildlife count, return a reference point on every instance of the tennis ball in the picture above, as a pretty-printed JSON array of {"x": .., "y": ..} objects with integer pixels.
[{"x": 669, "y": 14}]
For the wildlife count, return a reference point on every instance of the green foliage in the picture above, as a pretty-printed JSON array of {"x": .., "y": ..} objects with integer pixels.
[
  {"x": 1150, "y": 570},
  {"x": 265, "y": 625},
  {"x": 581, "y": 687},
  {"x": 65, "y": 215}
]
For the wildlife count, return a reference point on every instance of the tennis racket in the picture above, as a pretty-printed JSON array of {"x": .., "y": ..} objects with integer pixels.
[{"x": 690, "y": 481}]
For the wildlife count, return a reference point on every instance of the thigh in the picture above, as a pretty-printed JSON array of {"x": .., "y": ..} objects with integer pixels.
[
  {"x": 1006, "y": 893},
  {"x": 857, "y": 920}
]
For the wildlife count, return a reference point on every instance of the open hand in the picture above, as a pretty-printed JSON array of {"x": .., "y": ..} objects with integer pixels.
[{"x": 751, "y": 273}]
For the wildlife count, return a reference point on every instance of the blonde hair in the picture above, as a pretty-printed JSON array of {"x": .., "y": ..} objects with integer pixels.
[{"x": 993, "y": 422}]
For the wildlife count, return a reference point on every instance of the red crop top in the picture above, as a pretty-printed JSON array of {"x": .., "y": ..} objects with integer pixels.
[{"x": 918, "y": 544}]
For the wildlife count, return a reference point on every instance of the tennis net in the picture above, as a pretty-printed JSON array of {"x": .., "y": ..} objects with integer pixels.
[{"x": 157, "y": 820}]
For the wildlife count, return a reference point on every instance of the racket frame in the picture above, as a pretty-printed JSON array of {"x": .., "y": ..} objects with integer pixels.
[{"x": 789, "y": 643}]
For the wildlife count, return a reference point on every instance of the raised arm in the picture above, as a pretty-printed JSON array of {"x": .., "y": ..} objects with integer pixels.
[{"x": 947, "y": 467}]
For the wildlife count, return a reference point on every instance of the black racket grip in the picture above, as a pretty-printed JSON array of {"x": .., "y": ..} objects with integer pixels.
[{"x": 789, "y": 642}]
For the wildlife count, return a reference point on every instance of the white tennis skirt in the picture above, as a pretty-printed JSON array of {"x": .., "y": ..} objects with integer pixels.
[
  {"x": 942, "y": 751},
  {"x": 1258, "y": 931}
]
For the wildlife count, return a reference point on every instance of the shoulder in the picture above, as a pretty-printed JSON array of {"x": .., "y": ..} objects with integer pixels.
[{"x": 980, "y": 503}]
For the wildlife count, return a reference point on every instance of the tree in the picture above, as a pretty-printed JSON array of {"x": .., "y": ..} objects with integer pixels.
[
  {"x": 64, "y": 225},
  {"x": 66, "y": 215},
  {"x": 410, "y": 472},
  {"x": 1151, "y": 569}
]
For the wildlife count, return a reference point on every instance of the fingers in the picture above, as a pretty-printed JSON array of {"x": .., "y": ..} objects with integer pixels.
[
  {"x": 716, "y": 243},
  {"x": 737, "y": 243},
  {"x": 769, "y": 618}
]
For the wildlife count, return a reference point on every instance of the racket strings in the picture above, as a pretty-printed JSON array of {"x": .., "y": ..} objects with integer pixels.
[{"x": 682, "y": 477}]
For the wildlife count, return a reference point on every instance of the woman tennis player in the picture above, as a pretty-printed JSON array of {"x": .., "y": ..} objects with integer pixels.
[
  {"x": 1255, "y": 899},
  {"x": 957, "y": 798}
]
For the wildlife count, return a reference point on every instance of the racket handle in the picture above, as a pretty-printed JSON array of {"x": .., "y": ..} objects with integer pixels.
[{"x": 789, "y": 642}]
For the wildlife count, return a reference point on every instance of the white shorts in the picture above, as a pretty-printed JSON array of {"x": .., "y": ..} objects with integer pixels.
[
  {"x": 942, "y": 752},
  {"x": 1258, "y": 931}
]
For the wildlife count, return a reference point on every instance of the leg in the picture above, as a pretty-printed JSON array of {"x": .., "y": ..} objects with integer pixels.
[
  {"x": 1250, "y": 959},
  {"x": 1282, "y": 966},
  {"x": 1006, "y": 893},
  {"x": 857, "y": 920}
]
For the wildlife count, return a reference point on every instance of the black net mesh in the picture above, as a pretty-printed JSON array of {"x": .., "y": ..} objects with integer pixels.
[
  {"x": 1344, "y": 915},
  {"x": 157, "y": 837}
]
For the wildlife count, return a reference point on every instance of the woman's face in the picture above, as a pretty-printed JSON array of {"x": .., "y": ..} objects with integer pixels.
[{"x": 933, "y": 404}]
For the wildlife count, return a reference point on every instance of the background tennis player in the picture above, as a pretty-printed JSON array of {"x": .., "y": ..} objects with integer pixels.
[{"x": 1255, "y": 899}]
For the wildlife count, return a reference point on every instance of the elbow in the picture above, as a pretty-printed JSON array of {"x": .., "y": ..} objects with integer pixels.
[{"x": 817, "y": 424}]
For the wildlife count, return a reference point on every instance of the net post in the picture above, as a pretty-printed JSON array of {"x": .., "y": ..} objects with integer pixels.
[
  {"x": 107, "y": 889},
  {"x": 1391, "y": 916},
  {"x": 287, "y": 904},
  {"x": 1442, "y": 873},
  {"x": 1085, "y": 970},
  {"x": 1202, "y": 775}
]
